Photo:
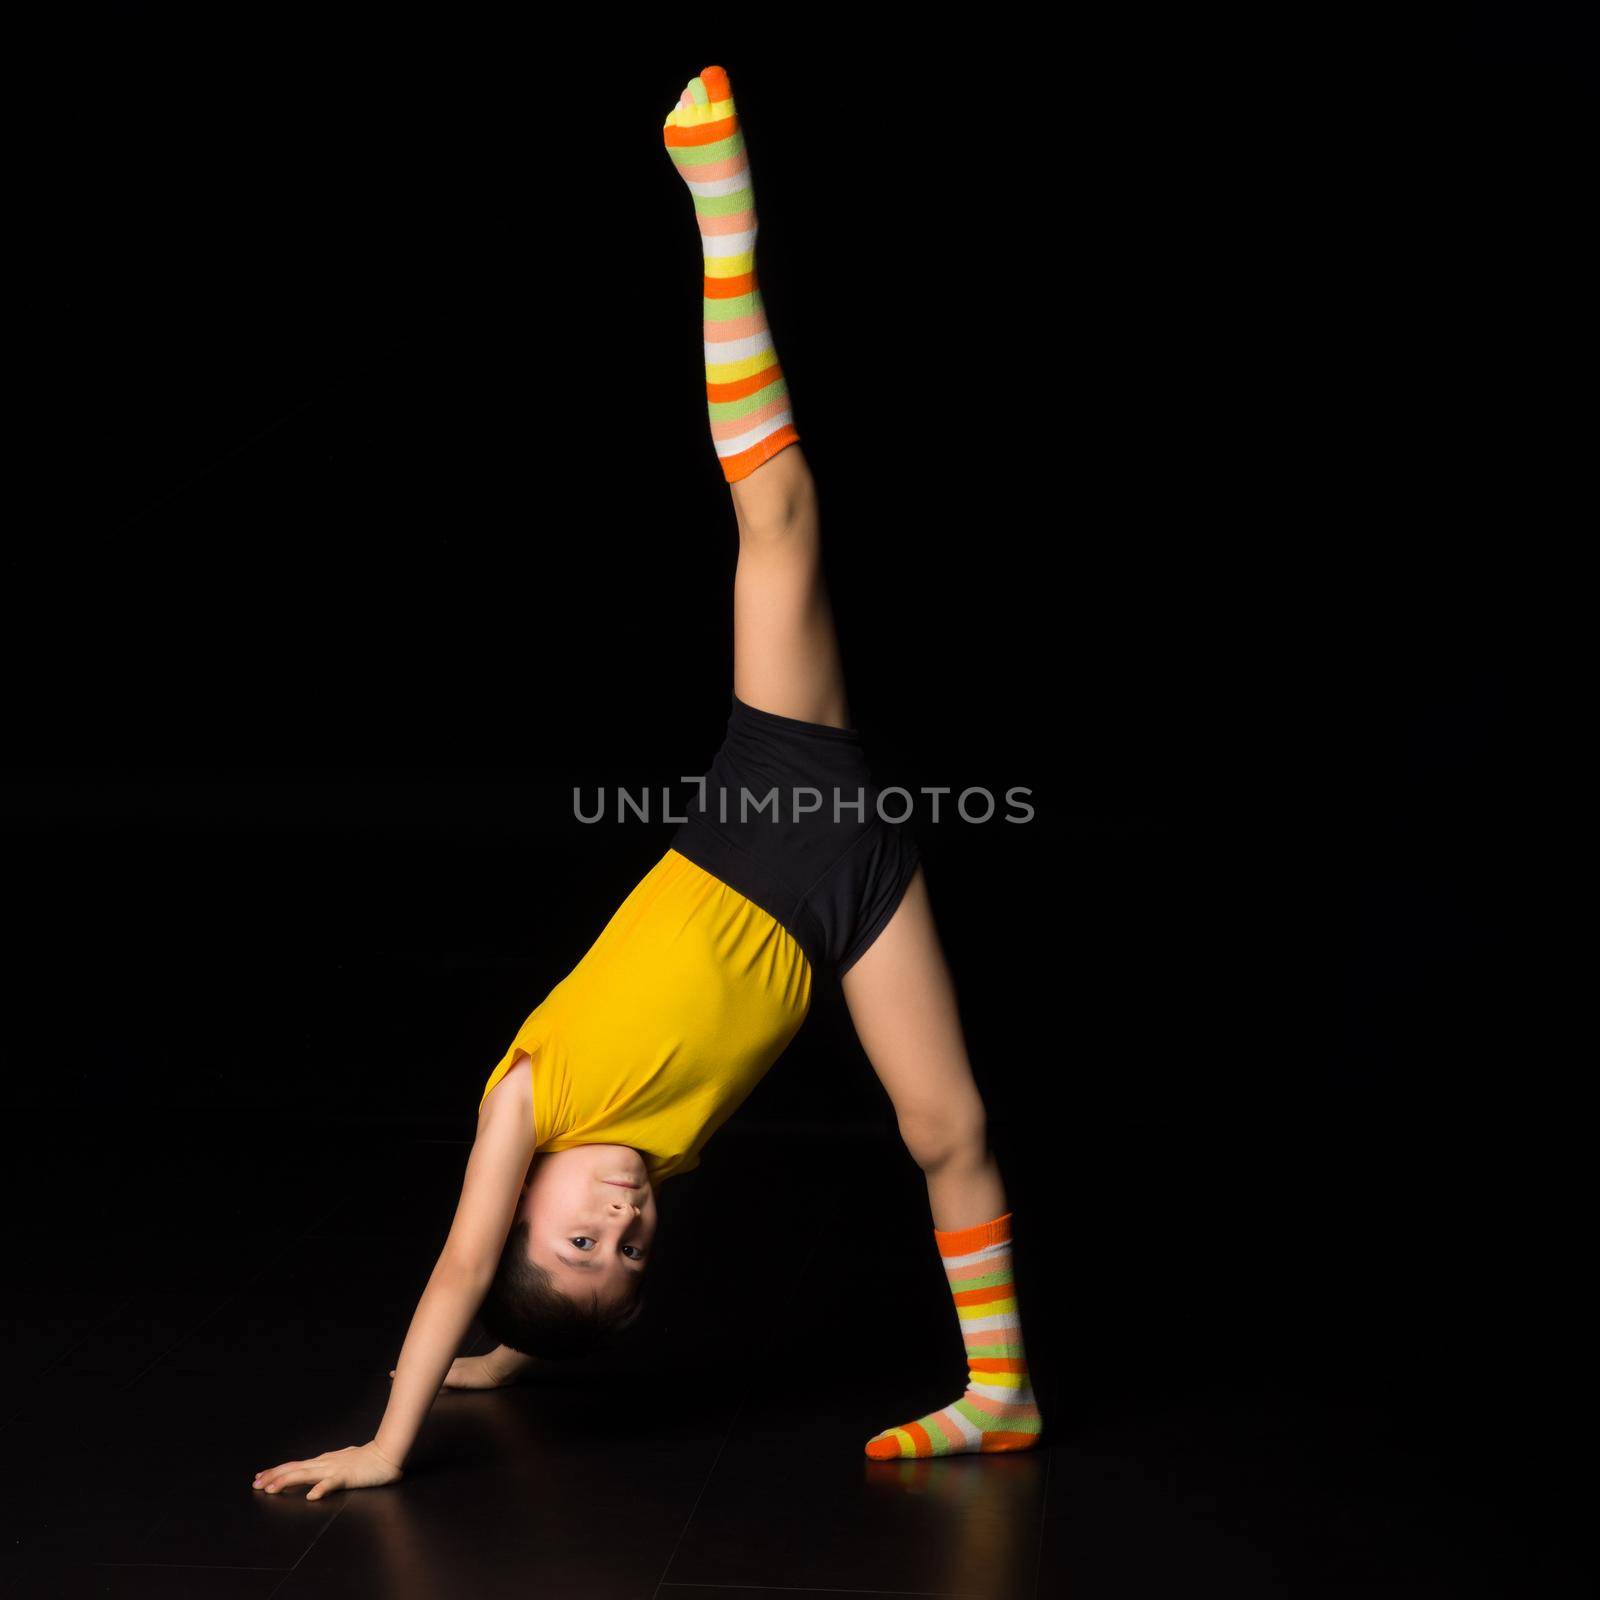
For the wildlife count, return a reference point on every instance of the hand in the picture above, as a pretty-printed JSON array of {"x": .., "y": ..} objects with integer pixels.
[
  {"x": 474, "y": 1372},
  {"x": 358, "y": 1467}
]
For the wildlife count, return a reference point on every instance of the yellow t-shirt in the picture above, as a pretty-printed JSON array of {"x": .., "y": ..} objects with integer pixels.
[{"x": 668, "y": 1022}]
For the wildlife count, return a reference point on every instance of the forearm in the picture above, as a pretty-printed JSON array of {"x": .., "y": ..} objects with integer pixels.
[{"x": 445, "y": 1311}]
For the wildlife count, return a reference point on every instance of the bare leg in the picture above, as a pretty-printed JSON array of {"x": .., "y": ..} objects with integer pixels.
[
  {"x": 785, "y": 650},
  {"x": 903, "y": 1005}
]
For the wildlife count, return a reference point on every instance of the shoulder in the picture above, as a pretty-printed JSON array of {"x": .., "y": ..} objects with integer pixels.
[{"x": 512, "y": 1096}]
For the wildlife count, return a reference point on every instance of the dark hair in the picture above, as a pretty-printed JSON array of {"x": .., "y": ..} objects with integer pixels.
[{"x": 525, "y": 1311}]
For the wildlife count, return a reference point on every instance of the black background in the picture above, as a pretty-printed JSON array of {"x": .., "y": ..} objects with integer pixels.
[{"x": 1191, "y": 405}]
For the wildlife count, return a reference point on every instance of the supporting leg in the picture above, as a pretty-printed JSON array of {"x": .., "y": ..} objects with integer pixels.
[{"x": 903, "y": 1004}]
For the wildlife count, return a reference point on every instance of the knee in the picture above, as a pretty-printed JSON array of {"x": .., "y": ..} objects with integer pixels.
[
  {"x": 780, "y": 509},
  {"x": 939, "y": 1136},
  {"x": 778, "y": 535}
]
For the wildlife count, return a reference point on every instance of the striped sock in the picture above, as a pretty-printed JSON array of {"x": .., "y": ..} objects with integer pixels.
[
  {"x": 997, "y": 1411},
  {"x": 745, "y": 392}
]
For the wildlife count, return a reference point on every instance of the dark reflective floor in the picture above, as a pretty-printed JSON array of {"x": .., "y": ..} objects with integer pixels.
[
  {"x": 164, "y": 1348},
  {"x": 361, "y": 562}
]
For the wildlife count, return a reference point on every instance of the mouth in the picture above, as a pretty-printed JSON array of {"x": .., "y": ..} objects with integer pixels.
[{"x": 617, "y": 1183}]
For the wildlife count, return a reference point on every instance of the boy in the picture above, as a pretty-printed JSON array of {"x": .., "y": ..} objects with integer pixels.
[{"x": 703, "y": 975}]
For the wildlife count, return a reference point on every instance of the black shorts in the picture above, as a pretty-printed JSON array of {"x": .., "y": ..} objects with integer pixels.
[{"x": 789, "y": 818}]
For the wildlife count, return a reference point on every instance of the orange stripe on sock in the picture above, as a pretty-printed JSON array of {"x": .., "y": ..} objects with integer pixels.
[
  {"x": 749, "y": 384},
  {"x": 977, "y": 1297},
  {"x": 997, "y": 1364},
  {"x": 962, "y": 1241},
  {"x": 729, "y": 288},
  {"x": 701, "y": 132},
  {"x": 1000, "y": 1440},
  {"x": 919, "y": 1437},
  {"x": 746, "y": 462}
]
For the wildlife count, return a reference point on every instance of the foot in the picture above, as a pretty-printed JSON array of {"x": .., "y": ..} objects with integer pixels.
[
  {"x": 987, "y": 1418},
  {"x": 997, "y": 1410},
  {"x": 747, "y": 397}
]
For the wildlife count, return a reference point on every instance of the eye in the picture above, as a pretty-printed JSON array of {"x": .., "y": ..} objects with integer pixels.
[
  {"x": 638, "y": 1254},
  {"x": 581, "y": 1240}
]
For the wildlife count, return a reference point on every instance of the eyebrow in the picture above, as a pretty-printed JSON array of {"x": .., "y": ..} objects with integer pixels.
[{"x": 594, "y": 1266}]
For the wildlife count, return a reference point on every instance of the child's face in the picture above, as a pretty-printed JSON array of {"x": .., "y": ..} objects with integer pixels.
[{"x": 591, "y": 1216}]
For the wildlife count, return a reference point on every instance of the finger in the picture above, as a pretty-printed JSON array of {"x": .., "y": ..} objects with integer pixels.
[
  {"x": 327, "y": 1483},
  {"x": 287, "y": 1480}
]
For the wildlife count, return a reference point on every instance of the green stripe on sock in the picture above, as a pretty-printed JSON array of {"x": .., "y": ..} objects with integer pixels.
[
  {"x": 723, "y": 205},
  {"x": 730, "y": 410},
  {"x": 739, "y": 305}
]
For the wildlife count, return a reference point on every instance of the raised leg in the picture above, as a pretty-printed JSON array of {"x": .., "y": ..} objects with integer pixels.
[
  {"x": 903, "y": 1004},
  {"x": 786, "y": 653},
  {"x": 785, "y": 650}
]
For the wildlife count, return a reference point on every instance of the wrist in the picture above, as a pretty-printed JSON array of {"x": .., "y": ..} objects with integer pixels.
[{"x": 392, "y": 1458}]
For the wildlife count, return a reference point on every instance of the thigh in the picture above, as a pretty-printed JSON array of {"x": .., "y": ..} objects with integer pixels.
[
  {"x": 902, "y": 1001},
  {"x": 785, "y": 650}
]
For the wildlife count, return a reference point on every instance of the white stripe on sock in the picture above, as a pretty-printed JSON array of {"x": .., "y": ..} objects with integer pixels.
[
  {"x": 721, "y": 351},
  {"x": 1001, "y": 1319},
  {"x": 968, "y": 1429},
  {"x": 743, "y": 441},
  {"x": 717, "y": 246},
  {"x": 715, "y": 188},
  {"x": 995, "y": 1391}
]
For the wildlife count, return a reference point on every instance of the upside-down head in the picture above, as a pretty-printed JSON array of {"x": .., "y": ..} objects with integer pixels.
[{"x": 571, "y": 1275}]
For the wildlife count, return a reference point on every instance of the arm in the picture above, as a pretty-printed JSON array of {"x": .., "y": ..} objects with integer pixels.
[
  {"x": 500, "y": 1367},
  {"x": 460, "y": 1278}
]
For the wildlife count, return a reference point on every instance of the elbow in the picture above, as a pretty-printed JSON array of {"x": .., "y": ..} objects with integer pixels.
[{"x": 464, "y": 1272}]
